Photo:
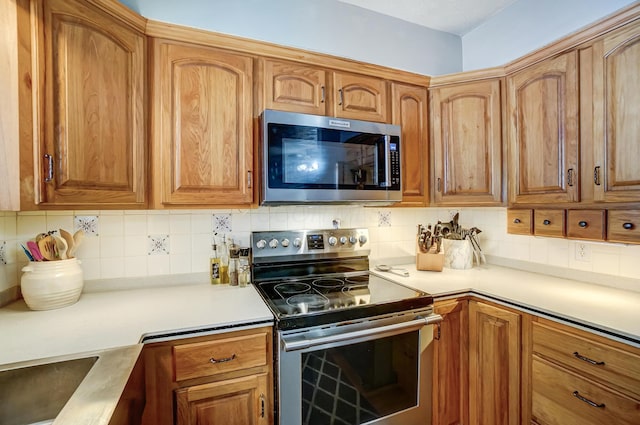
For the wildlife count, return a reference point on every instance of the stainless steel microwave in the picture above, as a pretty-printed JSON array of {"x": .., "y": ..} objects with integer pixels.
[{"x": 318, "y": 159}]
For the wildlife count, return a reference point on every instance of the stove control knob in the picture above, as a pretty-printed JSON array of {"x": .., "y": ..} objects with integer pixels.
[
  {"x": 343, "y": 240},
  {"x": 333, "y": 240},
  {"x": 362, "y": 239},
  {"x": 353, "y": 239},
  {"x": 284, "y": 243},
  {"x": 273, "y": 243},
  {"x": 297, "y": 242},
  {"x": 261, "y": 244}
]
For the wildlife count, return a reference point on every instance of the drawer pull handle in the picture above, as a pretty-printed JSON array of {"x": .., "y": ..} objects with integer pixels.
[
  {"x": 596, "y": 175},
  {"x": 570, "y": 176},
  {"x": 262, "y": 405},
  {"x": 546, "y": 222},
  {"x": 228, "y": 359},
  {"x": 627, "y": 226},
  {"x": 583, "y": 224},
  {"x": 577, "y": 395},
  {"x": 517, "y": 221},
  {"x": 587, "y": 359}
]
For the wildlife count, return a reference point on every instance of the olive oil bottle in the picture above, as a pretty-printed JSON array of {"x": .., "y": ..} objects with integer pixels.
[{"x": 214, "y": 266}]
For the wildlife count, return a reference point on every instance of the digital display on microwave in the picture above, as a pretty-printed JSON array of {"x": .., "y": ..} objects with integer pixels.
[{"x": 393, "y": 147}]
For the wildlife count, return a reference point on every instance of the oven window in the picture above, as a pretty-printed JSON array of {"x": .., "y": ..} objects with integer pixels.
[{"x": 358, "y": 383}]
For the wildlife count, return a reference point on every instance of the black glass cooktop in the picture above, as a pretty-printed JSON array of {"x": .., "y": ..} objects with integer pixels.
[{"x": 333, "y": 298}]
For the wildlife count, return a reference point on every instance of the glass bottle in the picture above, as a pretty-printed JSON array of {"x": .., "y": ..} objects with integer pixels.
[
  {"x": 214, "y": 265},
  {"x": 234, "y": 266},
  {"x": 224, "y": 261}
]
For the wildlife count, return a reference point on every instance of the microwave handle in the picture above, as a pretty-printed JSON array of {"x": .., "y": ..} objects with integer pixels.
[{"x": 387, "y": 160}]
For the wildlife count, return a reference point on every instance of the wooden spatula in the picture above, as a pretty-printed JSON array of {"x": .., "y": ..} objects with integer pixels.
[{"x": 48, "y": 248}]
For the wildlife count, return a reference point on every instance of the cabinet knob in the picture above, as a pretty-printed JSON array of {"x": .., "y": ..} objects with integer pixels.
[
  {"x": 546, "y": 222},
  {"x": 583, "y": 224},
  {"x": 517, "y": 221},
  {"x": 628, "y": 226}
]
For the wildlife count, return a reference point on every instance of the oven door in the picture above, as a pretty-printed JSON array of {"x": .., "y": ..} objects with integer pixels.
[{"x": 372, "y": 372}]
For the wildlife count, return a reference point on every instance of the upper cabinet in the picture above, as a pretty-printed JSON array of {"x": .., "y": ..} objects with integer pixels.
[
  {"x": 297, "y": 87},
  {"x": 201, "y": 126},
  {"x": 542, "y": 103},
  {"x": 89, "y": 130},
  {"x": 293, "y": 87},
  {"x": 609, "y": 112},
  {"x": 409, "y": 111},
  {"x": 466, "y": 124},
  {"x": 360, "y": 97}
]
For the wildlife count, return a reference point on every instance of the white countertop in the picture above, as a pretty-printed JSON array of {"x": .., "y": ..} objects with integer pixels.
[
  {"x": 601, "y": 308},
  {"x": 109, "y": 319}
]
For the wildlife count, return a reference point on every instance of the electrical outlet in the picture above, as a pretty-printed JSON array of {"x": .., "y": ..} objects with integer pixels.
[{"x": 583, "y": 252}]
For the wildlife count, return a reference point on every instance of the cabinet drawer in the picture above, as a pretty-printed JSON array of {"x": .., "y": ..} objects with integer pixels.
[
  {"x": 219, "y": 356},
  {"x": 560, "y": 397},
  {"x": 617, "y": 368},
  {"x": 586, "y": 224},
  {"x": 624, "y": 226},
  {"x": 520, "y": 222},
  {"x": 549, "y": 223}
]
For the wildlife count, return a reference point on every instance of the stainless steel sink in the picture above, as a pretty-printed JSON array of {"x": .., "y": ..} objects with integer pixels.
[{"x": 35, "y": 394}]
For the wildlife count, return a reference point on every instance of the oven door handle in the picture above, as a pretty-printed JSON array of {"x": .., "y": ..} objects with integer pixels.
[{"x": 362, "y": 334}]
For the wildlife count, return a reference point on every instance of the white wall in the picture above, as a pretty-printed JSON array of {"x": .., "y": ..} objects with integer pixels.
[
  {"x": 528, "y": 25},
  {"x": 325, "y": 26}
]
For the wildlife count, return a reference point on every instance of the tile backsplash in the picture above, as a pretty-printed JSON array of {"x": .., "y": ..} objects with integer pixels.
[{"x": 146, "y": 243}]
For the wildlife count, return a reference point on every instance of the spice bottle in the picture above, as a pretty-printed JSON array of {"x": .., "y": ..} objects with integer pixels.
[
  {"x": 214, "y": 265},
  {"x": 234, "y": 266}
]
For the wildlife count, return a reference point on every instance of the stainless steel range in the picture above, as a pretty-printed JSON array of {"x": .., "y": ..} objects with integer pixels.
[{"x": 351, "y": 348}]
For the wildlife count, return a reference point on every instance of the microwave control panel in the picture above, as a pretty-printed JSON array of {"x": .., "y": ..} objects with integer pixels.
[{"x": 394, "y": 159}]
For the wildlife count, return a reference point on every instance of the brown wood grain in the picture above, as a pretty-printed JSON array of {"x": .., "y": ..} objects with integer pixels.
[
  {"x": 293, "y": 87},
  {"x": 359, "y": 97}
]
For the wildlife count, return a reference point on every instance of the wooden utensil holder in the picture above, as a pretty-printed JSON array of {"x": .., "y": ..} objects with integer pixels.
[{"x": 429, "y": 261}]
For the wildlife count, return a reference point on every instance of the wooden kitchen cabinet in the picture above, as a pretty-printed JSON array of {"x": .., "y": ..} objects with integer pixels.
[
  {"x": 550, "y": 223},
  {"x": 294, "y": 87},
  {"x": 494, "y": 365},
  {"x": 87, "y": 101},
  {"x": 610, "y": 99},
  {"x": 543, "y": 131},
  {"x": 202, "y": 126},
  {"x": 410, "y": 111},
  {"x": 451, "y": 364},
  {"x": 576, "y": 377},
  {"x": 587, "y": 224},
  {"x": 360, "y": 97},
  {"x": 466, "y": 126},
  {"x": 222, "y": 378},
  {"x": 519, "y": 222}
]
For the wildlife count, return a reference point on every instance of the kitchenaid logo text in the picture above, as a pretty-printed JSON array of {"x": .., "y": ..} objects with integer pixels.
[{"x": 341, "y": 124}]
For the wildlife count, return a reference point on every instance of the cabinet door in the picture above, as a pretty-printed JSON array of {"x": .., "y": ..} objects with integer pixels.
[
  {"x": 543, "y": 132},
  {"x": 360, "y": 97},
  {"x": 202, "y": 126},
  {"x": 494, "y": 365},
  {"x": 294, "y": 87},
  {"x": 616, "y": 108},
  {"x": 410, "y": 113},
  {"x": 451, "y": 364},
  {"x": 92, "y": 149},
  {"x": 240, "y": 401},
  {"x": 467, "y": 143}
]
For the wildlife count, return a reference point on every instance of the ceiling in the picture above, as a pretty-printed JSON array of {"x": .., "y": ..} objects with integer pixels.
[{"x": 453, "y": 16}]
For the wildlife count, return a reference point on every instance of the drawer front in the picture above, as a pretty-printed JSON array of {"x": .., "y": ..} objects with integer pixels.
[
  {"x": 624, "y": 226},
  {"x": 549, "y": 223},
  {"x": 586, "y": 224},
  {"x": 520, "y": 222},
  {"x": 615, "y": 367},
  {"x": 560, "y": 397},
  {"x": 219, "y": 356}
]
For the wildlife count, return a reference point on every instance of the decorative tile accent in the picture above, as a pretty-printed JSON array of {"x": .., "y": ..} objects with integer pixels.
[
  {"x": 88, "y": 224},
  {"x": 384, "y": 218},
  {"x": 158, "y": 244},
  {"x": 222, "y": 223},
  {"x": 3, "y": 252}
]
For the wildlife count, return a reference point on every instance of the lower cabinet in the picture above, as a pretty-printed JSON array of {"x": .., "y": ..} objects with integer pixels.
[
  {"x": 451, "y": 364},
  {"x": 494, "y": 365},
  {"x": 217, "y": 379}
]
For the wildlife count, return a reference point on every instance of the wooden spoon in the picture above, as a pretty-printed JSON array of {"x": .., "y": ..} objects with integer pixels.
[
  {"x": 71, "y": 245},
  {"x": 61, "y": 248},
  {"x": 47, "y": 248},
  {"x": 78, "y": 236}
]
